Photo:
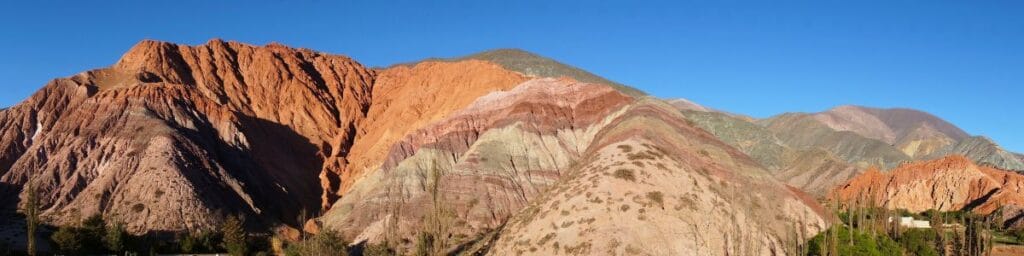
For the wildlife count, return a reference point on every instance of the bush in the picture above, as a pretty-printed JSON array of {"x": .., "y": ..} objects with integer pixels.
[
  {"x": 203, "y": 242},
  {"x": 864, "y": 243},
  {"x": 920, "y": 242},
  {"x": 235, "y": 238},
  {"x": 378, "y": 250},
  {"x": 68, "y": 240},
  {"x": 115, "y": 239},
  {"x": 326, "y": 243}
]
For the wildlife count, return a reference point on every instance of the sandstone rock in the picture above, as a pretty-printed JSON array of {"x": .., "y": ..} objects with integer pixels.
[
  {"x": 951, "y": 183},
  {"x": 172, "y": 136}
]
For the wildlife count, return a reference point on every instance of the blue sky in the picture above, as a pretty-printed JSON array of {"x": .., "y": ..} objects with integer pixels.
[{"x": 960, "y": 60}]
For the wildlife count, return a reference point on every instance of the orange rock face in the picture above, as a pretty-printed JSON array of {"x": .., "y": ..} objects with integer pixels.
[
  {"x": 172, "y": 134},
  {"x": 405, "y": 99},
  {"x": 947, "y": 184}
]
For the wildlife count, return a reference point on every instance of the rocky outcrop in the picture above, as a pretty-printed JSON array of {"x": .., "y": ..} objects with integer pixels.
[
  {"x": 648, "y": 174},
  {"x": 172, "y": 134},
  {"x": 952, "y": 183}
]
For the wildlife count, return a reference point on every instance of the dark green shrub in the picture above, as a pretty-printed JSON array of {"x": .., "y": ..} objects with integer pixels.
[
  {"x": 325, "y": 243},
  {"x": 68, "y": 240},
  {"x": 920, "y": 242},
  {"x": 116, "y": 238}
]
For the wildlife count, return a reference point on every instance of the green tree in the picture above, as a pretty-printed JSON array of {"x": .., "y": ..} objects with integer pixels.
[
  {"x": 852, "y": 242},
  {"x": 433, "y": 238},
  {"x": 235, "y": 238},
  {"x": 920, "y": 242}
]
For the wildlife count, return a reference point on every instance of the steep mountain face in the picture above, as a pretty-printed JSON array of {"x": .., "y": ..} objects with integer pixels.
[
  {"x": 172, "y": 134},
  {"x": 481, "y": 164},
  {"x": 406, "y": 98},
  {"x": 947, "y": 184},
  {"x": 648, "y": 173}
]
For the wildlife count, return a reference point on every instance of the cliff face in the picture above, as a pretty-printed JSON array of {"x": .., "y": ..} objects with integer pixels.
[
  {"x": 171, "y": 134},
  {"x": 947, "y": 184}
]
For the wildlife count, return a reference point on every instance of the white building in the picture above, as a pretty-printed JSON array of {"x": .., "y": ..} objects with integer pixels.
[{"x": 910, "y": 222}]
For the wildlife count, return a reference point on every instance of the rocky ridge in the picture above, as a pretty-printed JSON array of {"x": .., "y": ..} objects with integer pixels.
[{"x": 952, "y": 183}]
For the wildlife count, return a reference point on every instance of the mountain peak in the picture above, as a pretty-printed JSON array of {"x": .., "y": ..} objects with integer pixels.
[{"x": 533, "y": 64}]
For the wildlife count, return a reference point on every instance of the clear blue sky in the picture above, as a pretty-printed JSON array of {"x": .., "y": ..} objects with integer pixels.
[{"x": 961, "y": 60}]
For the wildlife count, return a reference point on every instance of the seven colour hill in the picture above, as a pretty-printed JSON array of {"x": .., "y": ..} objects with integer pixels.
[{"x": 504, "y": 152}]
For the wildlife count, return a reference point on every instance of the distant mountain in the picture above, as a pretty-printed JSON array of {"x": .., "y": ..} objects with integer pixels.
[
  {"x": 984, "y": 151},
  {"x": 914, "y": 132},
  {"x": 817, "y": 151}
]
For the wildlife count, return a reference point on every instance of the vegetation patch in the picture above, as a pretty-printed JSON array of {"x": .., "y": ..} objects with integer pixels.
[
  {"x": 138, "y": 207},
  {"x": 625, "y": 174}
]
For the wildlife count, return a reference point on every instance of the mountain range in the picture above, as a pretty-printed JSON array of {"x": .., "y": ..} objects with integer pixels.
[{"x": 505, "y": 152}]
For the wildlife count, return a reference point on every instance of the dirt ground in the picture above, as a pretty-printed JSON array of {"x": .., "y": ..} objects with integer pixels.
[{"x": 1008, "y": 250}]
